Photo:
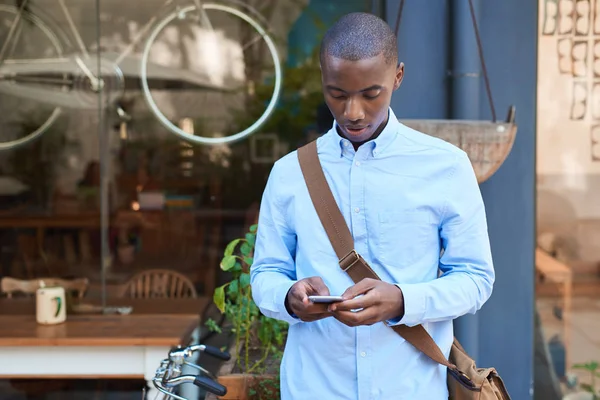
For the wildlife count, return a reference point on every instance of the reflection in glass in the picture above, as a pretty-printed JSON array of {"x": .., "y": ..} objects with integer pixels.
[
  {"x": 77, "y": 126},
  {"x": 568, "y": 218}
]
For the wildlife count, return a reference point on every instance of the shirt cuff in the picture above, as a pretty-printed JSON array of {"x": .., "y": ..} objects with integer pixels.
[
  {"x": 415, "y": 303},
  {"x": 280, "y": 295}
]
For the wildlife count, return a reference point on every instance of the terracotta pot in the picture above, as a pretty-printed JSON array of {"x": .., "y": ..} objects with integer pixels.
[
  {"x": 237, "y": 386},
  {"x": 242, "y": 386}
]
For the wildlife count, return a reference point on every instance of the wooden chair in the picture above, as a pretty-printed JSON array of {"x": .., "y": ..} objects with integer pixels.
[
  {"x": 10, "y": 285},
  {"x": 159, "y": 283}
]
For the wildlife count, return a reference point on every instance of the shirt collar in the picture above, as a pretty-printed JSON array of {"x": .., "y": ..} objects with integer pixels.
[{"x": 376, "y": 146}]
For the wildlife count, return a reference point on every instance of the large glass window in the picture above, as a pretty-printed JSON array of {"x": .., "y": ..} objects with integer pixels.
[{"x": 138, "y": 135}]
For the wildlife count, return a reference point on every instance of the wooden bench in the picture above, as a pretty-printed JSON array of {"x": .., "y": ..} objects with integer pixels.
[{"x": 557, "y": 272}]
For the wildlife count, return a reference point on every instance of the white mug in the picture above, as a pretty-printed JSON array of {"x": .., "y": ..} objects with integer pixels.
[{"x": 51, "y": 307}]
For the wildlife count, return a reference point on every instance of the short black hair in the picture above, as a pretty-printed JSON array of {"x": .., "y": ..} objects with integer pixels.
[{"x": 359, "y": 35}]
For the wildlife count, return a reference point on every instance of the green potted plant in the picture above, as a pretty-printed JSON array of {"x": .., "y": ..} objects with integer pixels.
[{"x": 256, "y": 341}]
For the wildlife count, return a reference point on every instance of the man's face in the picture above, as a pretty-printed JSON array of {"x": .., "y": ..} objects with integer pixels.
[{"x": 358, "y": 93}]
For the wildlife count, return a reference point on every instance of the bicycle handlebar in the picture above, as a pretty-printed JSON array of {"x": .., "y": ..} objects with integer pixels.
[
  {"x": 178, "y": 357},
  {"x": 198, "y": 380},
  {"x": 210, "y": 385},
  {"x": 212, "y": 351}
]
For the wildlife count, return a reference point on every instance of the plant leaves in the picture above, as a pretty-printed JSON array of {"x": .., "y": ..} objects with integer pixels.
[
  {"x": 246, "y": 249},
  {"x": 233, "y": 288},
  {"x": 237, "y": 267},
  {"x": 219, "y": 297},
  {"x": 231, "y": 247},
  {"x": 236, "y": 302},
  {"x": 263, "y": 333},
  {"x": 227, "y": 263},
  {"x": 244, "y": 280},
  {"x": 212, "y": 326},
  {"x": 589, "y": 366}
]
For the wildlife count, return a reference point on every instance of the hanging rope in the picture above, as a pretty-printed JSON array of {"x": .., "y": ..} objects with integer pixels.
[
  {"x": 479, "y": 49},
  {"x": 399, "y": 17},
  {"x": 481, "y": 58}
]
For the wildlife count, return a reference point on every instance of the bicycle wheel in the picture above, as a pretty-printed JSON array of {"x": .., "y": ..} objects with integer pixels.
[
  {"x": 42, "y": 34},
  {"x": 273, "y": 94}
]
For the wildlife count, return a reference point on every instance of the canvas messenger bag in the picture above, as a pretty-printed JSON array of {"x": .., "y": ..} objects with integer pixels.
[{"x": 465, "y": 380}]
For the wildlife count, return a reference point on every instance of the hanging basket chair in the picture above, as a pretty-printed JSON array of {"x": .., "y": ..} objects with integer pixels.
[{"x": 487, "y": 143}]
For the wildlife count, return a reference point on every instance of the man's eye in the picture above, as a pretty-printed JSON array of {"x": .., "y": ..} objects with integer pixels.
[{"x": 371, "y": 95}]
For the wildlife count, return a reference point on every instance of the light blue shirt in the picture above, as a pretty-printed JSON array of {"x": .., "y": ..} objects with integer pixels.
[{"x": 405, "y": 196}]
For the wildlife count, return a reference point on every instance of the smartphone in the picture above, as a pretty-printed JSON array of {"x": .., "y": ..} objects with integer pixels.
[{"x": 325, "y": 299}]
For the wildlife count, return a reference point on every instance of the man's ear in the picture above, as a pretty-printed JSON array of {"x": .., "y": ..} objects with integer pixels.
[{"x": 399, "y": 75}]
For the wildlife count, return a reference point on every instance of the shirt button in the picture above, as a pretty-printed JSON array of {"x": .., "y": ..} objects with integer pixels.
[
  {"x": 346, "y": 144},
  {"x": 363, "y": 354},
  {"x": 357, "y": 163},
  {"x": 356, "y": 209}
]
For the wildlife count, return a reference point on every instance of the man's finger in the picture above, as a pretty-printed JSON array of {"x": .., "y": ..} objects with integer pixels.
[
  {"x": 305, "y": 306},
  {"x": 317, "y": 308},
  {"x": 360, "y": 288},
  {"x": 364, "y": 317},
  {"x": 319, "y": 286},
  {"x": 299, "y": 292},
  {"x": 355, "y": 303}
]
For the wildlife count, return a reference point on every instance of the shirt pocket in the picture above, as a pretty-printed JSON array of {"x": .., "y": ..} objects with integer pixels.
[{"x": 406, "y": 237}]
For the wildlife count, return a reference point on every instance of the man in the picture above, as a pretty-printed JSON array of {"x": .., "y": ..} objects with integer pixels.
[{"x": 405, "y": 196}]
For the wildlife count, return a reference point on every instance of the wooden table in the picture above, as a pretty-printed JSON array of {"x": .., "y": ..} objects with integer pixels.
[
  {"x": 26, "y": 306},
  {"x": 95, "y": 345},
  {"x": 44, "y": 221}
]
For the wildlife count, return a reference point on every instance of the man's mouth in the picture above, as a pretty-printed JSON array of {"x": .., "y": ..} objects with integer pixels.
[{"x": 356, "y": 129}]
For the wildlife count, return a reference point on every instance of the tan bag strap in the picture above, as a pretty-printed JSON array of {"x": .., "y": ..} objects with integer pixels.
[{"x": 349, "y": 260}]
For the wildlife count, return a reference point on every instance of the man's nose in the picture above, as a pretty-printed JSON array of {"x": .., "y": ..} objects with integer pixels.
[{"x": 353, "y": 110}]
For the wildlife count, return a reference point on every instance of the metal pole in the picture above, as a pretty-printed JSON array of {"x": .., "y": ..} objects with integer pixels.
[
  {"x": 465, "y": 79},
  {"x": 104, "y": 173}
]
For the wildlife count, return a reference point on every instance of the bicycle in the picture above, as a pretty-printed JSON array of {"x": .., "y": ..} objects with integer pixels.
[
  {"x": 62, "y": 77},
  {"x": 169, "y": 373}
]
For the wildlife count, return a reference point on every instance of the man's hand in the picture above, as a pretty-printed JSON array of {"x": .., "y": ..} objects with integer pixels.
[
  {"x": 380, "y": 301},
  {"x": 298, "y": 303}
]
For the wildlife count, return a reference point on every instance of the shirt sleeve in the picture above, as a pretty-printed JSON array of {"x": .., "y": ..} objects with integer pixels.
[
  {"x": 467, "y": 271},
  {"x": 273, "y": 270}
]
